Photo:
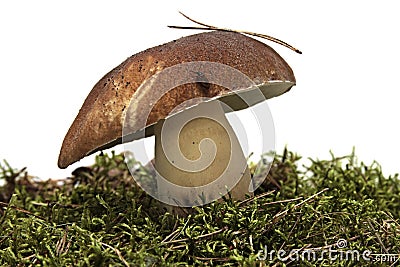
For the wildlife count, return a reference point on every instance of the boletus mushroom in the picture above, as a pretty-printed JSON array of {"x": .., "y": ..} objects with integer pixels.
[{"x": 198, "y": 145}]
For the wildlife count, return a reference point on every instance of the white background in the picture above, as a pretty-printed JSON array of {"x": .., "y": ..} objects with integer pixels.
[{"x": 347, "y": 94}]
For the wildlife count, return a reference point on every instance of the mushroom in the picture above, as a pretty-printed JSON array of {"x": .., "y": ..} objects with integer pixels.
[{"x": 194, "y": 111}]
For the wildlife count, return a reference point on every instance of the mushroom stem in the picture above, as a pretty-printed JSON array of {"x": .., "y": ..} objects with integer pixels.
[{"x": 198, "y": 149}]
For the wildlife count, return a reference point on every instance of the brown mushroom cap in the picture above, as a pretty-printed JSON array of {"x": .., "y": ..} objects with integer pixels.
[{"x": 99, "y": 122}]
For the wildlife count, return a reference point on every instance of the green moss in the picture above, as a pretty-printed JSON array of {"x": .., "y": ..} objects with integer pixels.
[{"x": 100, "y": 217}]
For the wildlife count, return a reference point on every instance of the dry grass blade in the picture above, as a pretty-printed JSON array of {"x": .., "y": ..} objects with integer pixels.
[
  {"x": 212, "y": 259},
  {"x": 210, "y": 27},
  {"x": 256, "y": 197},
  {"x": 282, "y": 201},
  {"x": 171, "y": 236},
  {"x": 3, "y": 204},
  {"x": 283, "y": 213},
  {"x": 60, "y": 246},
  {"x": 117, "y": 252},
  {"x": 378, "y": 237},
  {"x": 213, "y": 233},
  {"x": 197, "y": 238}
]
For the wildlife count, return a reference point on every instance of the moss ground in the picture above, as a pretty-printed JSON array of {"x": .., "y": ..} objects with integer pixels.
[{"x": 336, "y": 212}]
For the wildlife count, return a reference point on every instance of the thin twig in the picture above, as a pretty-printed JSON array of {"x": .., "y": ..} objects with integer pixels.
[
  {"x": 170, "y": 235},
  {"x": 282, "y": 201},
  {"x": 175, "y": 232},
  {"x": 256, "y": 197},
  {"x": 211, "y": 234},
  {"x": 29, "y": 257},
  {"x": 179, "y": 246},
  {"x": 60, "y": 246},
  {"x": 377, "y": 236},
  {"x": 20, "y": 210},
  {"x": 291, "y": 230},
  {"x": 195, "y": 238},
  {"x": 4, "y": 237},
  {"x": 117, "y": 252},
  {"x": 283, "y": 213},
  {"x": 398, "y": 258},
  {"x": 211, "y": 259},
  {"x": 211, "y": 28}
]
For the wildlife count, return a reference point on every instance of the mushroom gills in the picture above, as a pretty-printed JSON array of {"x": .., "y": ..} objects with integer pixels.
[
  {"x": 198, "y": 157},
  {"x": 244, "y": 98}
]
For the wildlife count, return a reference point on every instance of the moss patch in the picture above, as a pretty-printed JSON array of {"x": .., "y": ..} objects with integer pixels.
[{"x": 100, "y": 217}]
